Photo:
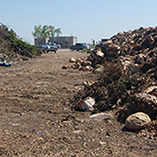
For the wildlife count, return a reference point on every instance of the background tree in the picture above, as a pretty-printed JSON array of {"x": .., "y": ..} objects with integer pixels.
[
  {"x": 46, "y": 31},
  {"x": 37, "y": 31},
  {"x": 51, "y": 31},
  {"x": 58, "y": 31}
]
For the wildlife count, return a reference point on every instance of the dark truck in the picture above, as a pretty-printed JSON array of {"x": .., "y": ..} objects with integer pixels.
[{"x": 78, "y": 46}]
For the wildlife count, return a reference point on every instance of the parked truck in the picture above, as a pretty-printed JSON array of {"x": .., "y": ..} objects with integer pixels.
[
  {"x": 79, "y": 46},
  {"x": 47, "y": 48}
]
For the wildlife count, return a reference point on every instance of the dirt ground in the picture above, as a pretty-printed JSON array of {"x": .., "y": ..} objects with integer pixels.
[{"x": 37, "y": 121}]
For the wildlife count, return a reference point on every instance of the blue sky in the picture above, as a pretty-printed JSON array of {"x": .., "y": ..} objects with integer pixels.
[{"x": 85, "y": 19}]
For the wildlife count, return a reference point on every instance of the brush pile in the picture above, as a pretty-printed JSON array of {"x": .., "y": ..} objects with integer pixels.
[
  {"x": 126, "y": 67},
  {"x": 12, "y": 48}
]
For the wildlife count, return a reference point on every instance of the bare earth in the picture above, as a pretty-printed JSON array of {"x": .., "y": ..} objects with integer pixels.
[{"x": 37, "y": 121}]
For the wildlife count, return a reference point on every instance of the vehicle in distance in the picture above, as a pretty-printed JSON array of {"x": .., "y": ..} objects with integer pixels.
[
  {"x": 79, "y": 46},
  {"x": 47, "y": 48}
]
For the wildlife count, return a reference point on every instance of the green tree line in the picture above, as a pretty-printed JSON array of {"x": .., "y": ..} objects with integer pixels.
[{"x": 45, "y": 31}]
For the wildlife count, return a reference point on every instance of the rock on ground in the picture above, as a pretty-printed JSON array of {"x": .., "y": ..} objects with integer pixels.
[{"x": 137, "y": 121}]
